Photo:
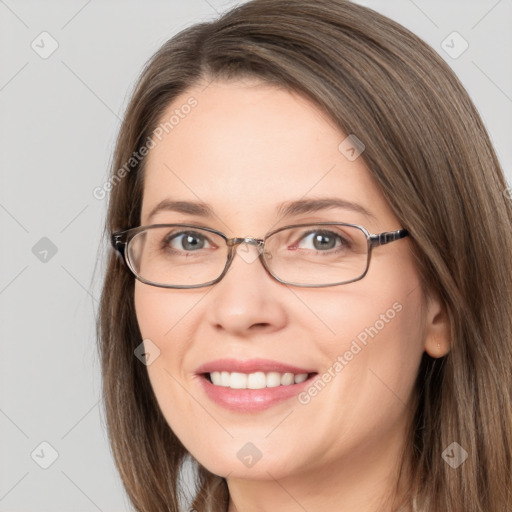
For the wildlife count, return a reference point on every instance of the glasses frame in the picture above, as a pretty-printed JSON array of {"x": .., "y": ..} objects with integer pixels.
[{"x": 121, "y": 239}]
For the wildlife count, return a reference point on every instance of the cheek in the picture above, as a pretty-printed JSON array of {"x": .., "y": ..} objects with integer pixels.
[
  {"x": 371, "y": 345},
  {"x": 161, "y": 316},
  {"x": 160, "y": 313},
  {"x": 395, "y": 348},
  {"x": 152, "y": 314},
  {"x": 170, "y": 319},
  {"x": 390, "y": 319}
]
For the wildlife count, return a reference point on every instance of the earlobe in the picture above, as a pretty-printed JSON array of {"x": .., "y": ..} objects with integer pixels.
[
  {"x": 437, "y": 329},
  {"x": 436, "y": 349}
]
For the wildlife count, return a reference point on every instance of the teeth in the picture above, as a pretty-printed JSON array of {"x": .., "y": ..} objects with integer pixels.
[{"x": 257, "y": 380}]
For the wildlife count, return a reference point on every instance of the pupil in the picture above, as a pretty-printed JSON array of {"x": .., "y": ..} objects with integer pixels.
[
  {"x": 192, "y": 242},
  {"x": 324, "y": 242}
]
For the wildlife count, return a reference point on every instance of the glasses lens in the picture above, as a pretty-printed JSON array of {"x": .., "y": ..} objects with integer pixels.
[
  {"x": 317, "y": 254},
  {"x": 177, "y": 255}
]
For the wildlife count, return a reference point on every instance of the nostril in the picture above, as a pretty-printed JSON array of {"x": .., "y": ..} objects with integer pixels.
[{"x": 261, "y": 325}]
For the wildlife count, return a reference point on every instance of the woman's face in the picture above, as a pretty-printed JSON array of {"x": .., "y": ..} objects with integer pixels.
[{"x": 247, "y": 150}]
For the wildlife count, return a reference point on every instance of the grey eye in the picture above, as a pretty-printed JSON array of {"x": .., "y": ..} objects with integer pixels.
[
  {"x": 188, "y": 241},
  {"x": 320, "y": 241}
]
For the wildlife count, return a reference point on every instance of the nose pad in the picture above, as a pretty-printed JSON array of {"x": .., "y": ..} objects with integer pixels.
[{"x": 249, "y": 250}]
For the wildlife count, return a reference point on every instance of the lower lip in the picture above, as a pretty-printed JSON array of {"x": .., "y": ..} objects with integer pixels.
[{"x": 252, "y": 400}]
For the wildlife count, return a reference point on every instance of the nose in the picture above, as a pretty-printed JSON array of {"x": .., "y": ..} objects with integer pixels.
[{"x": 247, "y": 299}]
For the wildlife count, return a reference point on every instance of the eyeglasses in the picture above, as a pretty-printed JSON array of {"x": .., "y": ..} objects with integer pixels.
[{"x": 306, "y": 255}]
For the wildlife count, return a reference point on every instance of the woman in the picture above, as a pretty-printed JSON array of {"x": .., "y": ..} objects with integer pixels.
[{"x": 314, "y": 307}]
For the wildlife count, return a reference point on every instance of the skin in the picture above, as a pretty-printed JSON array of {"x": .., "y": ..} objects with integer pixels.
[{"x": 246, "y": 148}]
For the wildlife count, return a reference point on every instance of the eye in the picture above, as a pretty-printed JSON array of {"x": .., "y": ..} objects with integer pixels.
[
  {"x": 321, "y": 241},
  {"x": 187, "y": 241}
]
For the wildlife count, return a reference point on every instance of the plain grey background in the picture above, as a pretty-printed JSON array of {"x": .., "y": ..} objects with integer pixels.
[{"x": 59, "y": 115}]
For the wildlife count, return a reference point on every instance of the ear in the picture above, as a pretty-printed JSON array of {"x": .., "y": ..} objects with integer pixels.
[{"x": 437, "y": 328}]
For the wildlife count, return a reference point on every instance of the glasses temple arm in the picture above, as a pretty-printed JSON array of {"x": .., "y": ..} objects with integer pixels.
[
  {"x": 387, "y": 237},
  {"x": 118, "y": 242}
]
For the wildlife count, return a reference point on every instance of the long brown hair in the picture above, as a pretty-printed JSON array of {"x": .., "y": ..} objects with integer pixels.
[{"x": 428, "y": 151}]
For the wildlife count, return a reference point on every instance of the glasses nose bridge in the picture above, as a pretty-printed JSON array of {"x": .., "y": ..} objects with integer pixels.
[{"x": 233, "y": 242}]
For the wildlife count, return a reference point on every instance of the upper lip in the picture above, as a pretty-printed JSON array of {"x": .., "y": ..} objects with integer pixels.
[{"x": 249, "y": 366}]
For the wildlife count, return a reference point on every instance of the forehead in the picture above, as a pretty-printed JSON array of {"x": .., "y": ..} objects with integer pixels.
[{"x": 245, "y": 148}]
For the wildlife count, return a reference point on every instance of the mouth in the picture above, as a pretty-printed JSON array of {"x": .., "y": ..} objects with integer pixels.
[
  {"x": 253, "y": 392},
  {"x": 253, "y": 385},
  {"x": 256, "y": 380}
]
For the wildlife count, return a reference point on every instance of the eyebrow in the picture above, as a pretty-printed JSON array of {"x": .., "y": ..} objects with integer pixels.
[
  {"x": 303, "y": 206},
  {"x": 187, "y": 207},
  {"x": 287, "y": 209}
]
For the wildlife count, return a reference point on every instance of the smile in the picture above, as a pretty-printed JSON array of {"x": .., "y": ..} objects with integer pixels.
[
  {"x": 244, "y": 399},
  {"x": 257, "y": 380}
]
